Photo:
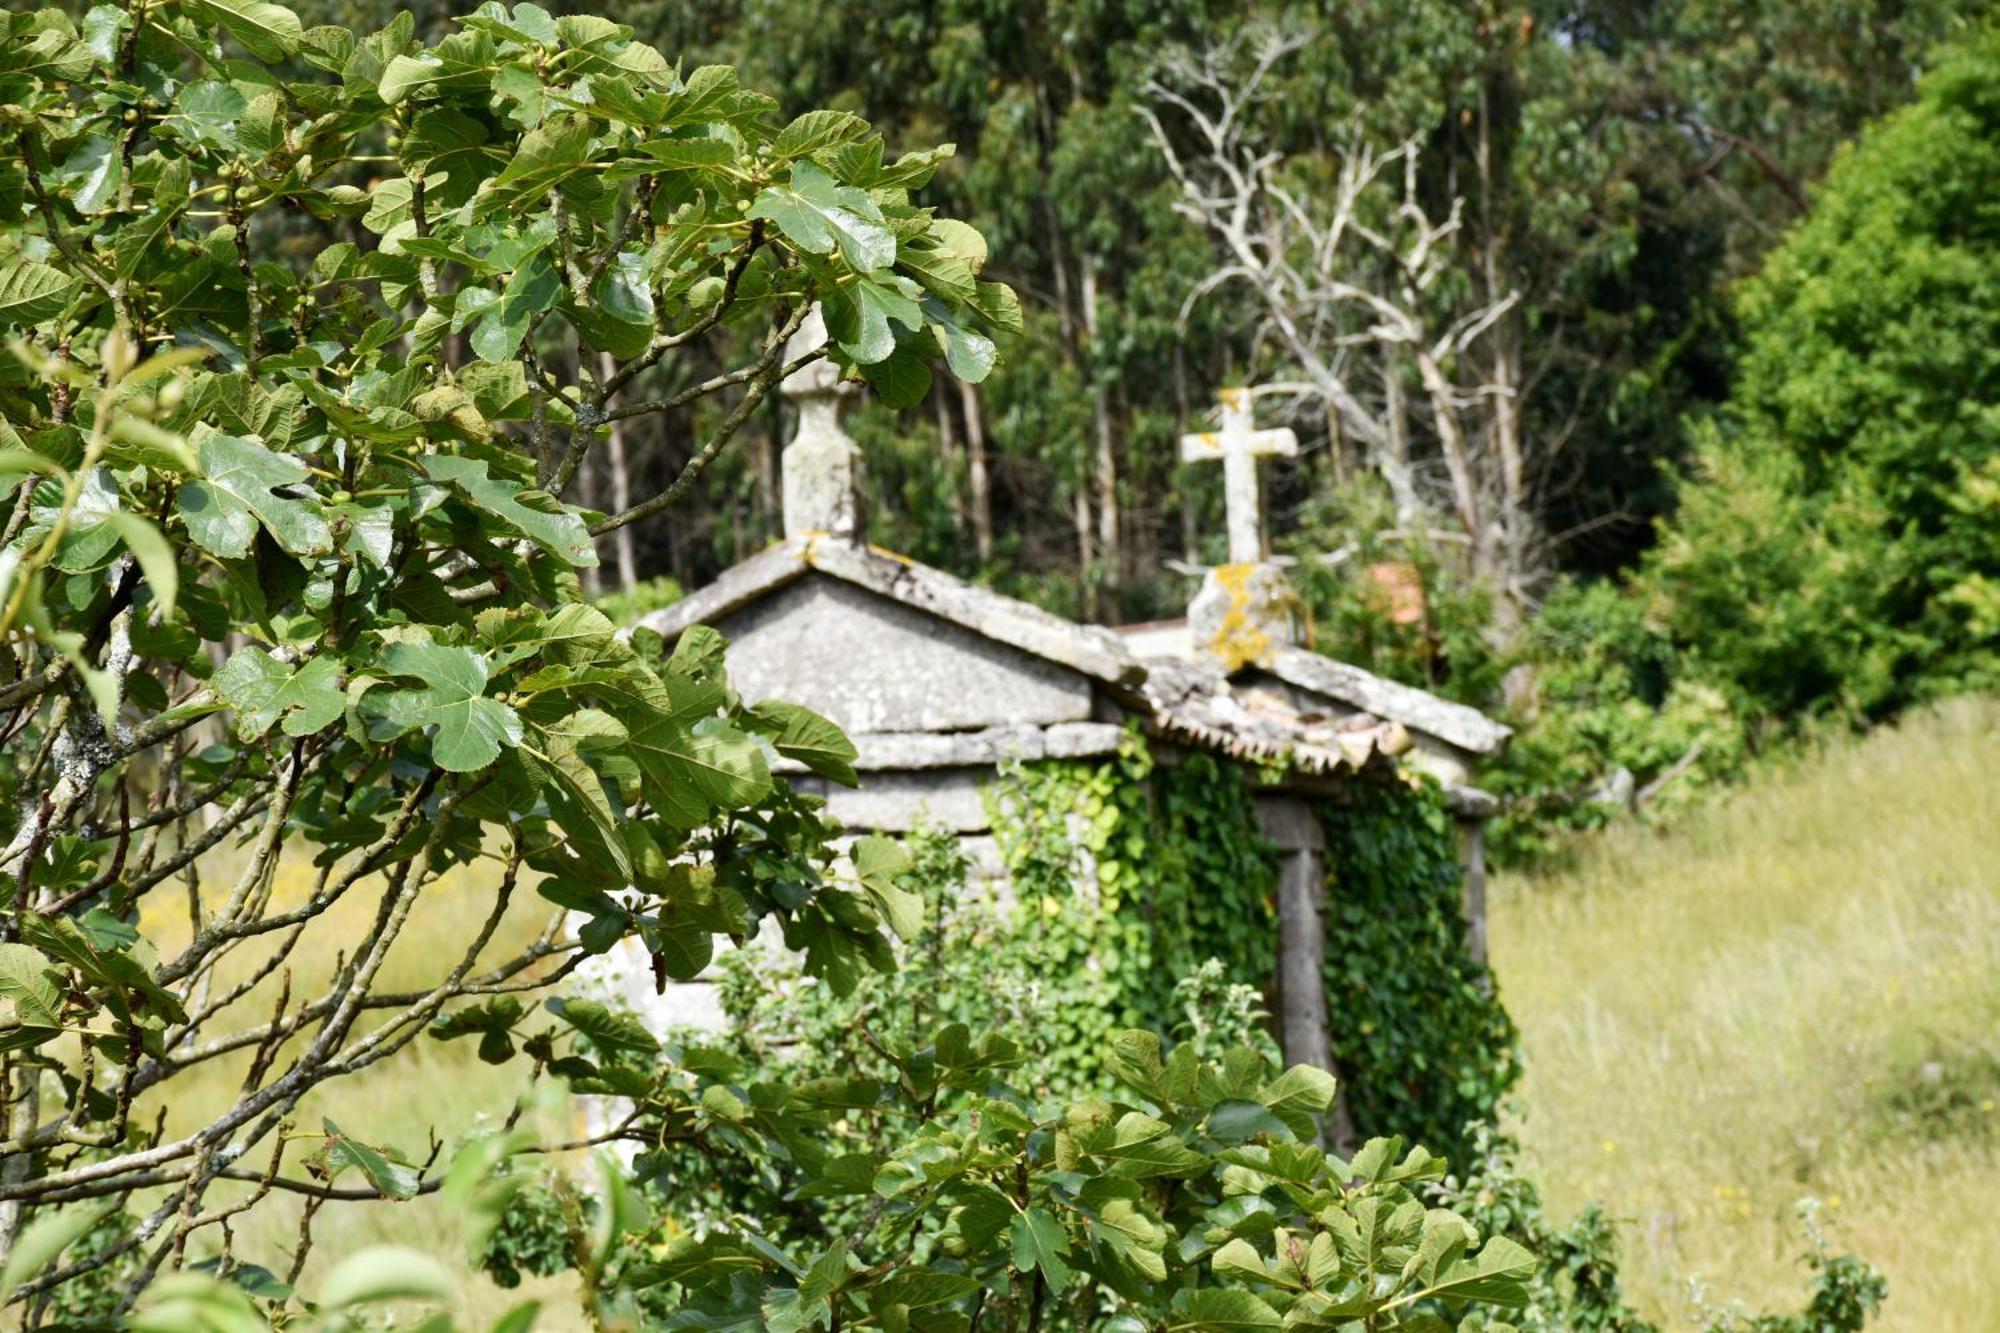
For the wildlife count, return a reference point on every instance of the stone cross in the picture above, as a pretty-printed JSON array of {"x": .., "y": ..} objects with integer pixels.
[
  {"x": 820, "y": 462},
  {"x": 1239, "y": 444}
]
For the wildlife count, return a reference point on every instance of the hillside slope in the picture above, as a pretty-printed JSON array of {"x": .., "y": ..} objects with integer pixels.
[{"x": 1795, "y": 993}]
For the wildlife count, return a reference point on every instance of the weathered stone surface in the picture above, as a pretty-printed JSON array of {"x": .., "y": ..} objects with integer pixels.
[
  {"x": 1244, "y": 615},
  {"x": 876, "y": 666},
  {"x": 1238, "y": 445},
  {"x": 957, "y": 749},
  {"x": 1089, "y": 649},
  {"x": 1419, "y": 710},
  {"x": 942, "y": 798},
  {"x": 822, "y": 461}
]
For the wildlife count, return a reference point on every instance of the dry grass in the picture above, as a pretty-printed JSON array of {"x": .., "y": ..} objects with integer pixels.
[
  {"x": 430, "y": 1092},
  {"x": 1794, "y": 993}
]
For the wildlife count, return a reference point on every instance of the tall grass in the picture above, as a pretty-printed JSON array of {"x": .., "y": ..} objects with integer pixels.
[
  {"x": 432, "y": 1093},
  {"x": 1794, "y": 993}
]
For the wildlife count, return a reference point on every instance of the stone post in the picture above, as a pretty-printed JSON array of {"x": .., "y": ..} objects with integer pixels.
[{"x": 821, "y": 462}]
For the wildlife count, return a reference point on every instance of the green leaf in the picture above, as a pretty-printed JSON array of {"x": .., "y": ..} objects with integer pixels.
[
  {"x": 902, "y": 379},
  {"x": 693, "y": 762},
  {"x": 194, "y": 1302},
  {"x": 468, "y": 728},
  {"x": 385, "y": 1273},
  {"x": 606, "y": 1030},
  {"x": 557, "y": 529},
  {"x": 821, "y": 216},
  {"x": 269, "y": 32},
  {"x": 43, "y": 1240},
  {"x": 969, "y": 353},
  {"x": 576, "y": 793},
  {"x": 1220, "y": 1310},
  {"x": 1037, "y": 1240},
  {"x": 1237, "y": 1119},
  {"x": 244, "y": 484},
  {"x": 264, "y": 690},
  {"x": 31, "y": 293},
  {"x": 799, "y": 733},
  {"x": 392, "y": 1177},
  {"x": 1497, "y": 1275},
  {"x": 817, "y": 130},
  {"x": 531, "y": 288},
  {"x": 207, "y": 112},
  {"x": 93, "y": 172},
  {"x": 155, "y": 557},
  {"x": 878, "y": 863},
  {"x": 27, "y": 978}
]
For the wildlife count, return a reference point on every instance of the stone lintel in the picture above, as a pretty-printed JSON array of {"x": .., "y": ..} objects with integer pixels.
[{"x": 912, "y": 750}]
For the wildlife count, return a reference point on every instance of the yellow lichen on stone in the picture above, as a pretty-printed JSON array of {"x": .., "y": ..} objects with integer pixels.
[{"x": 1240, "y": 640}]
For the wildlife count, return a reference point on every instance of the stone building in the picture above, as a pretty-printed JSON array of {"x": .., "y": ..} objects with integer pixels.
[{"x": 937, "y": 681}]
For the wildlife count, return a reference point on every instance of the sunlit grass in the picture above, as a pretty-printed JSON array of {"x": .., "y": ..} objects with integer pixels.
[
  {"x": 1794, "y": 993},
  {"x": 430, "y": 1093}
]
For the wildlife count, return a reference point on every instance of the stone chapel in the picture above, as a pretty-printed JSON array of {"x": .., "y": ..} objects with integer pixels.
[{"x": 938, "y": 681}]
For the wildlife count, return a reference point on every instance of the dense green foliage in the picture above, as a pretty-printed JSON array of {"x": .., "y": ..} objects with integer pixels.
[
  {"x": 1131, "y": 879},
  {"x": 1852, "y": 481},
  {"x": 1423, "y": 1046}
]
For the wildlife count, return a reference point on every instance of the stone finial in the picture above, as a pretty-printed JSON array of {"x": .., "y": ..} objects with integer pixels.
[
  {"x": 1239, "y": 444},
  {"x": 821, "y": 461}
]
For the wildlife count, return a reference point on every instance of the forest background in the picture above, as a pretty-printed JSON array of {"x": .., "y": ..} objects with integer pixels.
[{"x": 1573, "y": 210}]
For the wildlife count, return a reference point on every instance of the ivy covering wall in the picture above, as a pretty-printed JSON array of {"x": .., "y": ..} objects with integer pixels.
[
  {"x": 1132, "y": 873},
  {"x": 1422, "y": 1041}
]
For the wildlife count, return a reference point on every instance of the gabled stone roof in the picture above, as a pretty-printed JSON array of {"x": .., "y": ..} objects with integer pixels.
[
  {"x": 1088, "y": 649},
  {"x": 1419, "y": 710},
  {"x": 1176, "y": 698}
]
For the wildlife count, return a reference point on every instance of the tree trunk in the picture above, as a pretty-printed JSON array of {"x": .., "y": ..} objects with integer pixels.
[
  {"x": 1392, "y": 460},
  {"x": 948, "y": 447},
  {"x": 1110, "y": 544},
  {"x": 975, "y": 471},
  {"x": 621, "y": 493},
  {"x": 1457, "y": 459}
]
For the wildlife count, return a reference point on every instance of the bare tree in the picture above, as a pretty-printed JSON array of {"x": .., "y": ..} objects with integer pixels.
[{"x": 1351, "y": 274}]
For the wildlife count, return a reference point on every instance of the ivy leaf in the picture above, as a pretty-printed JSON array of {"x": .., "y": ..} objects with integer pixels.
[
  {"x": 1039, "y": 1241},
  {"x": 264, "y": 690},
  {"x": 799, "y": 733},
  {"x": 819, "y": 215},
  {"x": 31, "y": 293},
  {"x": 561, "y": 533},
  {"x": 469, "y": 728},
  {"x": 244, "y": 484}
]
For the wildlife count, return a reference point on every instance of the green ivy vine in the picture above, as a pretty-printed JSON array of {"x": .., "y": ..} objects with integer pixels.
[
  {"x": 1421, "y": 1039},
  {"x": 1131, "y": 873}
]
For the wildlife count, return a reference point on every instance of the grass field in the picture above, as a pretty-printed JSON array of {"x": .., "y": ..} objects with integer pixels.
[{"x": 1796, "y": 992}]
